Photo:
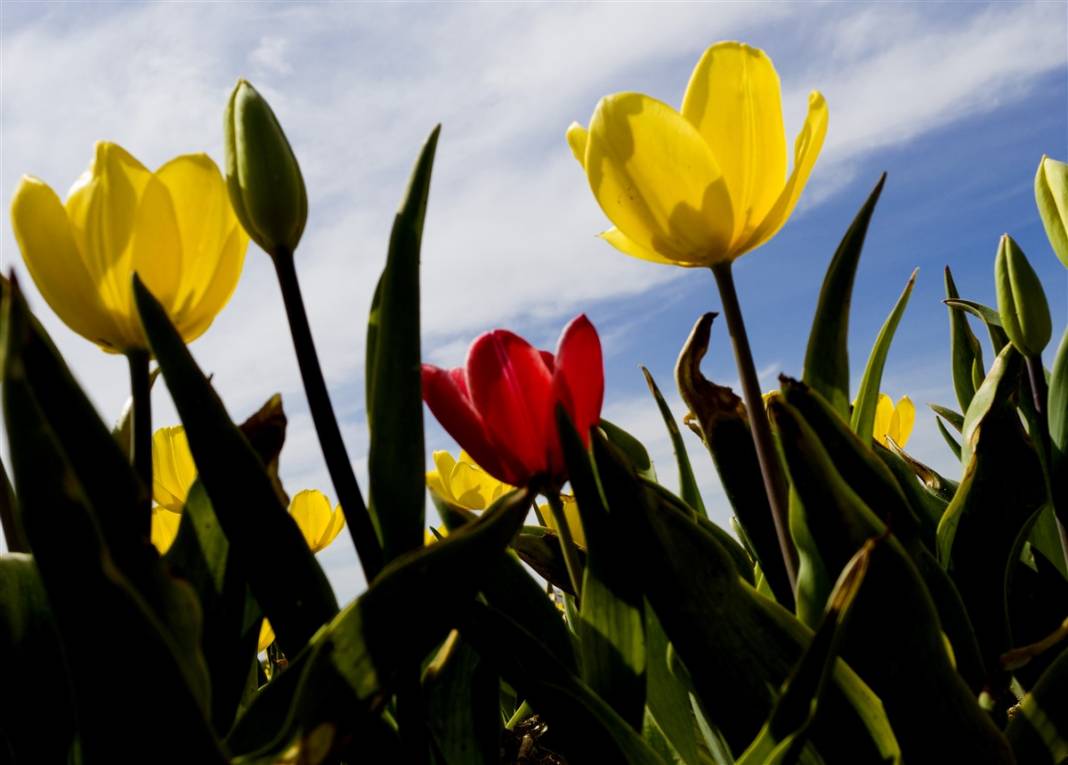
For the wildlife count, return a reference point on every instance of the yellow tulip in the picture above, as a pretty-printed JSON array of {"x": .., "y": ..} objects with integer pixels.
[
  {"x": 175, "y": 228},
  {"x": 894, "y": 421},
  {"x": 164, "y": 527},
  {"x": 319, "y": 524},
  {"x": 571, "y": 515},
  {"x": 707, "y": 184},
  {"x": 173, "y": 469},
  {"x": 463, "y": 483}
]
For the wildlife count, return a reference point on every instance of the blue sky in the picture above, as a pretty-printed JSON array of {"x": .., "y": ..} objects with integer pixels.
[{"x": 956, "y": 101}]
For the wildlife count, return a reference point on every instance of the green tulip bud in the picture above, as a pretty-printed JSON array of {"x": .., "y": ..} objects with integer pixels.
[
  {"x": 1051, "y": 195},
  {"x": 1021, "y": 300},
  {"x": 262, "y": 174}
]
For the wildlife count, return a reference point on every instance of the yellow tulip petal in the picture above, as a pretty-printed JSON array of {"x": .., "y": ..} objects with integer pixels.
[
  {"x": 656, "y": 179},
  {"x": 173, "y": 469},
  {"x": 619, "y": 240},
  {"x": 884, "y": 412},
  {"x": 806, "y": 150},
  {"x": 156, "y": 248},
  {"x": 313, "y": 514},
  {"x": 103, "y": 207},
  {"x": 571, "y": 516},
  {"x": 164, "y": 528},
  {"x": 337, "y": 523},
  {"x": 577, "y": 138},
  {"x": 735, "y": 100},
  {"x": 435, "y": 484},
  {"x": 266, "y": 637},
  {"x": 904, "y": 419},
  {"x": 43, "y": 234},
  {"x": 213, "y": 245}
]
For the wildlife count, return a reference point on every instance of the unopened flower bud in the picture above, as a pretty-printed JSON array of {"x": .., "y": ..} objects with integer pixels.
[
  {"x": 1021, "y": 300},
  {"x": 1051, "y": 195},
  {"x": 262, "y": 174}
]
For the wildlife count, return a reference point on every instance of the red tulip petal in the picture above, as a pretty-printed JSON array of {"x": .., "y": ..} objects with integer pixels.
[
  {"x": 512, "y": 389},
  {"x": 445, "y": 392},
  {"x": 580, "y": 368},
  {"x": 549, "y": 359}
]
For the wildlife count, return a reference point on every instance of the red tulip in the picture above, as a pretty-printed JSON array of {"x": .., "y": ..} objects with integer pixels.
[{"x": 501, "y": 406}]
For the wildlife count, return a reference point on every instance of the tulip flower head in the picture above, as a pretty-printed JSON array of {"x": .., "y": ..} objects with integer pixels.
[
  {"x": 174, "y": 227},
  {"x": 894, "y": 421},
  {"x": 707, "y": 184},
  {"x": 501, "y": 406}
]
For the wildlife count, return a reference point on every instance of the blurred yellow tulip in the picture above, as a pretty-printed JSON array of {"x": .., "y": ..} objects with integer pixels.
[
  {"x": 894, "y": 421},
  {"x": 174, "y": 227},
  {"x": 707, "y": 184},
  {"x": 571, "y": 515},
  {"x": 463, "y": 483}
]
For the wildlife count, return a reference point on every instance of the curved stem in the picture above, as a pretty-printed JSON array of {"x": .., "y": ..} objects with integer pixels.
[
  {"x": 567, "y": 543},
  {"x": 141, "y": 432},
  {"x": 770, "y": 466},
  {"x": 357, "y": 518}
]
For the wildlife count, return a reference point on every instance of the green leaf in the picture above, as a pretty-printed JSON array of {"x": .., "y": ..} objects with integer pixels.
[
  {"x": 631, "y": 447},
  {"x": 964, "y": 348},
  {"x": 282, "y": 572},
  {"x": 724, "y": 428},
  {"x": 10, "y": 524},
  {"x": 1038, "y": 731},
  {"x": 37, "y": 722},
  {"x": 875, "y": 485},
  {"x": 783, "y": 735},
  {"x": 895, "y": 641},
  {"x": 688, "y": 490},
  {"x": 738, "y": 646},
  {"x": 611, "y": 626},
  {"x": 123, "y": 676},
  {"x": 863, "y": 420},
  {"x": 951, "y": 442},
  {"x": 540, "y": 549},
  {"x": 667, "y": 695},
  {"x": 1058, "y": 431},
  {"x": 354, "y": 662},
  {"x": 827, "y": 356},
  {"x": 396, "y": 458},
  {"x": 585, "y": 728},
  {"x": 986, "y": 314},
  {"x": 461, "y": 695},
  {"x": 956, "y": 419}
]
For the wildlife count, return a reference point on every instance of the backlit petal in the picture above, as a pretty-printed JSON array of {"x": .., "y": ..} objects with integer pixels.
[
  {"x": 884, "y": 412},
  {"x": 806, "y": 150},
  {"x": 618, "y": 239},
  {"x": 213, "y": 244},
  {"x": 173, "y": 469},
  {"x": 313, "y": 514},
  {"x": 580, "y": 368},
  {"x": 577, "y": 138},
  {"x": 164, "y": 530},
  {"x": 103, "y": 208},
  {"x": 734, "y": 99},
  {"x": 266, "y": 637},
  {"x": 904, "y": 420},
  {"x": 571, "y": 515},
  {"x": 446, "y": 396},
  {"x": 44, "y": 237},
  {"x": 656, "y": 179},
  {"x": 512, "y": 389}
]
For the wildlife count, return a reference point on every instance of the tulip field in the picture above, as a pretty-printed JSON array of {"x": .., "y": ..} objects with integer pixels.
[{"x": 541, "y": 596}]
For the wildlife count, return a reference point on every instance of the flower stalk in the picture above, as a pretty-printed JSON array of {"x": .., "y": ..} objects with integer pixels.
[
  {"x": 141, "y": 432},
  {"x": 357, "y": 518},
  {"x": 770, "y": 466}
]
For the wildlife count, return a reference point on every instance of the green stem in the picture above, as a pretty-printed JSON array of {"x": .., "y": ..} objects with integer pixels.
[
  {"x": 770, "y": 466},
  {"x": 141, "y": 432},
  {"x": 567, "y": 543},
  {"x": 349, "y": 496}
]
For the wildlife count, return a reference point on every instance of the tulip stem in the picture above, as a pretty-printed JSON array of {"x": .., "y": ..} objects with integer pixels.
[
  {"x": 770, "y": 465},
  {"x": 567, "y": 543},
  {"x": 141, "y": 432},
  {"x": 349, "y": 496}
]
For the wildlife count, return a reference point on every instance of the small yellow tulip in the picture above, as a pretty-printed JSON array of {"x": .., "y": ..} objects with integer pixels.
[
  {"x": 707, "y": 184},
  {"x": 175, "y": 228},
  {"x": 319, "y": 524},
  {"x": 571, "y": 515},
  {"x": 165, "y": 524},
  {"x": 463, "y": 483},
  {"x": 894, "y": 421}
]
